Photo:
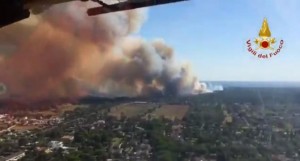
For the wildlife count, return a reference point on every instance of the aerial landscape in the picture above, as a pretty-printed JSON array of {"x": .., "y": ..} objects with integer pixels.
[
  {"x": 100, "y": 80},
  {"x": 238, "y": 123}
]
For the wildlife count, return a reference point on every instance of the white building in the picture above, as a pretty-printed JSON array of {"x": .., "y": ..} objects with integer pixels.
[{"x": 56, "y": 144}]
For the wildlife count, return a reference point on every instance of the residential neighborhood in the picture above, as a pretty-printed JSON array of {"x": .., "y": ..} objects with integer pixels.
[{"x": 190, "y": 128}]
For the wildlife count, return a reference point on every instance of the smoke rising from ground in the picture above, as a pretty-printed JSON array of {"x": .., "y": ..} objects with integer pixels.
[{"x": 64, "y": 53}]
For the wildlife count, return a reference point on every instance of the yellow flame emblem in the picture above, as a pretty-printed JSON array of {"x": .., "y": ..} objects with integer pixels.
[
  {"x": 265, "y": 30},
  {"x": 265, "y": 40}
]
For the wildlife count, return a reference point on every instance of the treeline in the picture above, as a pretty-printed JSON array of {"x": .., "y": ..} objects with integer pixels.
[{"x": 254, "y": 96}]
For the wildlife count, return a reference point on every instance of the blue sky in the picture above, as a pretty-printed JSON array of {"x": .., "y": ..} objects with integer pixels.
[{"x": 212, "y": 35}]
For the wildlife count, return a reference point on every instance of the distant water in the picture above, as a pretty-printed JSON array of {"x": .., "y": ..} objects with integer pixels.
[{"x": 249, "y": 84}]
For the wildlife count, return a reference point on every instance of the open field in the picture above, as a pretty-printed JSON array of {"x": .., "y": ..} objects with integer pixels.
[
  {"x": 170, "y": 111},
  {"x": 46, "y": 113},
  {"x": 131, "y": 109},
  {"x": 3, "y": 126},
  {"x": 67, "y": 108},
  {"x": 53, "y": 112},
  {"x": 20, "y": 128}
]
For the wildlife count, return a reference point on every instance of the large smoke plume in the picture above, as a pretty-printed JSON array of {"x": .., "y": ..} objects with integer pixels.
[{"x": 64, "y": 53}]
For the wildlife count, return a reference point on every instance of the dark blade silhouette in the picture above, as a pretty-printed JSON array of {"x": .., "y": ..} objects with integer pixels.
[
  {"x": 127, "y": 5},
  {"x": 12, "y": 11}
]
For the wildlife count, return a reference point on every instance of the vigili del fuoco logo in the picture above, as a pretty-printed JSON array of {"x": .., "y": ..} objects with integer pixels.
[{"x": 265, "y": 44}]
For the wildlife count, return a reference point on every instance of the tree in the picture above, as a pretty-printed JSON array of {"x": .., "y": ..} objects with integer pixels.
[
  {"x": 55, "y": 133},
  {"x": 22, "y": 141},
  {"x": 166, "y": 156}
]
